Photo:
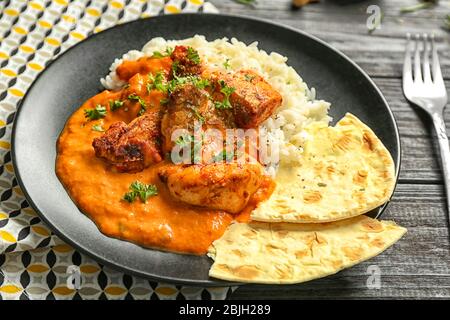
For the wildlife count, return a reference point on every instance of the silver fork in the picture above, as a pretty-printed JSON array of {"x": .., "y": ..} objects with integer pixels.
[{"x": 427, "y": 90}]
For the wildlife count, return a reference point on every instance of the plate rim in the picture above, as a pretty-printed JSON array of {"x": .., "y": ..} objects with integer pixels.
[{"x": 211, "y": 282}]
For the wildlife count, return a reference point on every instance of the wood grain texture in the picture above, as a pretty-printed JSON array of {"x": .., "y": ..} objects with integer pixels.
[
  {"x": 418, "y": 266},
  {"x": 343, "y": 25}
]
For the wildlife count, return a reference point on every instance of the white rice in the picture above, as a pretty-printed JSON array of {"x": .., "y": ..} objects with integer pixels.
[{"x": 299, "y": 107}]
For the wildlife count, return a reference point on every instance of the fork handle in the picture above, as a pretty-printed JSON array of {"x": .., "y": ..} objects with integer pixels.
[{"x": 439, "y": 125}]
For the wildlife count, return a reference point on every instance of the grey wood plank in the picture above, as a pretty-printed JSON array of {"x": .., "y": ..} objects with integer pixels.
[
  {"x": 344, "y": 27},
  {"x": 415, "y": 267},
  {"x": 419, "y": 150}
]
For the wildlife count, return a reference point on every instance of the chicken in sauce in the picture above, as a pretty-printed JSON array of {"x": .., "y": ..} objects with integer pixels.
[
  {"x": 132, "y": 147},
  {"x": 224, "y": 186},
  {"x": 217, "y": 100},
  {"x": 126, "y": 181}
]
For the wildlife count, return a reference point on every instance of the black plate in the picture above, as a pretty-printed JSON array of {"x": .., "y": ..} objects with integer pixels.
[{"x": 74, "y": 77}]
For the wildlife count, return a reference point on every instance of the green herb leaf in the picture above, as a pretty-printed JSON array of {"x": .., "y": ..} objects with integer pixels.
[
  {"x": 247, "y": 2},
  {"x": 158, "y": 54},
  {"x": 447, "y": 22},
  {"x": 193, "y": 55},
  {"x": 197, "y": 114},
  {"x": 115, "y": 104},
  {"x": 226, "y": 64},
  {"x": 423, "y": 5},
  {"x": 141, "y": 190},
  {"x": 129, "y": 196},
  {"x": 224, "y": 156},
  {"x": 227, "y": 91},
  {"x": 135, "y": 97},
  {"x": 199, "y": 82},
  {"x": 95, "y": 114},
  {"x": 249, "y": 78},
  {"x": 169, "y": 51},
  {"x": 98, "y": 127},
  {"x": 184, "y": 140},
  {"x": 175, "y": 68},
  {"x": 156, "y": 82}
]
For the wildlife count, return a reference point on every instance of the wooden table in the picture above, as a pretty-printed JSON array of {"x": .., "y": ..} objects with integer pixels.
[{"x": 418, "y": 266}]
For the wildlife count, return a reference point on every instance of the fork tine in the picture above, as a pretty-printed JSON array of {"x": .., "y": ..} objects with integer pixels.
[
  {"x": 437, "y": 75},
  {"x": 407, "y": 74},
  {"x": 426, "y": 60},
  {"x": 417, "y": 67}
]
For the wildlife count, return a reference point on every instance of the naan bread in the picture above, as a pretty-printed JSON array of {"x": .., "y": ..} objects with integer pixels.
[
  {"x": 281, "y": 253},
  {"x": 345, "y": 171}
]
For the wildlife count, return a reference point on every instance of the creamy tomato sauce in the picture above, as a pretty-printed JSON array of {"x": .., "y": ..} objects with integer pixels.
[{"x": 97, "y": 189}]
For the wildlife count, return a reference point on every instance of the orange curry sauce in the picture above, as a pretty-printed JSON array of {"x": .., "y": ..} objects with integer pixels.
[{"x": 97, "y": 189}]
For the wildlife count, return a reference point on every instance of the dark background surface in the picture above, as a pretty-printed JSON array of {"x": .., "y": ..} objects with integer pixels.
[{"x": 418, "y": 266}]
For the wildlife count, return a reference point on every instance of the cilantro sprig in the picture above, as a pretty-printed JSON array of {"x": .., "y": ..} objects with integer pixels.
[
  {"x": 166, "y": 53},
  {"x": 177, "y": 81},
  {"x": 226, "y": 64},
  {"x": 223, "y": 155},
  {"x": 135, "y": 97},
  {"x": 140, "y": 190},
  {"x": 94, "y": 114},
  {"x": 419, "y": 6},
  {"x": 184, "y": 140},
  {"x": 247, "y": 2},
  {"x": 115, "y": 104},
  {"x": 227, "y": 91},
  {"x": 197, "y": 114},
  {"x": 193, "y": 55},
  {"x": 447, "y": 22},
  {"x": 249, "y": 77},
  {"x": 156, "y": 82},
  {"x": 98, "y": 128}
]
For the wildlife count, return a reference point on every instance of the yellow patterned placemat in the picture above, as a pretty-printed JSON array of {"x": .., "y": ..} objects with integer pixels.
[{"x": 34, "y": 263}]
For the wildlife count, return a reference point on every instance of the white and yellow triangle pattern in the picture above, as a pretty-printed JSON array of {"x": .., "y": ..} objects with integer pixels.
[{"x": 33, "y": 261}]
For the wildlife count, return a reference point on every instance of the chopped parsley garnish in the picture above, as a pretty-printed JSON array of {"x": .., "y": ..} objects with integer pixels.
[
  {"x": 227, "y": 91},
  {"x": 115, "y": 104},
  {"x": 193, "y": 56},
  {"x": 135, "y": 97},
  {"x": 184, "y": 140},
  {"x": 98, "y": 127},
  {"x": 140, "y": 190},
  {"x": 249, "y": 78},
  {"x": 156, "y": 82},
  {"x": 226, "y": 64},
  {"x": 247, "y": 2},
  {"x": 175, "y": 68},
  {"x": 197, "y": 114},
  {"x": 95, "y": 114},
  {"x": 164, "y": 101},
  {"x": 223, "y": 156},
  {"x": 158, "y": 54},
  {"x": 199, "y": 82}
]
